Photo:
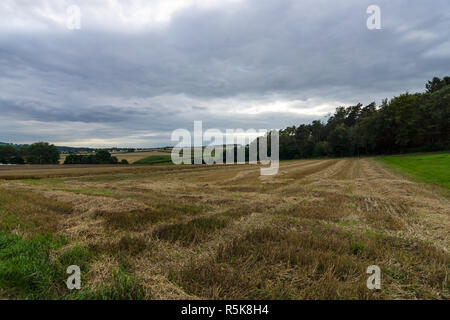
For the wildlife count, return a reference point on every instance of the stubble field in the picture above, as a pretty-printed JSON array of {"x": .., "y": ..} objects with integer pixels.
[{"x": 223, "y": 232}]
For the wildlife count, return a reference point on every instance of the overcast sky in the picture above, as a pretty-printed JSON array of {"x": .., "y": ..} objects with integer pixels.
[{"x": 137, "y": 70}]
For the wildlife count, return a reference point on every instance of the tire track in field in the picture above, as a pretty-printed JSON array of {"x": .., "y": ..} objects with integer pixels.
[
  {"x": 302, "y": 172},
  {"x": 325, "y": 174},
  {"x": 351, "y": 170}
]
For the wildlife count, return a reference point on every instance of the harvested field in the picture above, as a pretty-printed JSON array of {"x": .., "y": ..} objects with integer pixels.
[
  {"x": 132, "y": 157},
  {"x": 225, "y": 232}
]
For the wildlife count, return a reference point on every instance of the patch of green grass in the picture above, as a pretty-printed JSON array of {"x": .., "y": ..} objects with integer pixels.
[
  {"x": 28, "y": 272},
  {"x": 348, "y": 223},
  {"x": 25, "y": 267},
  {"x": 121, "y": 286},
  {"x": 358, "y": 248},
  {"x": 77, "y": 255},
  {"x": 8, "y": 220},
  {"x": 156, "y": 160},
  {"x": 430, "y": 168},
  {"x": 91, "y": 191}
]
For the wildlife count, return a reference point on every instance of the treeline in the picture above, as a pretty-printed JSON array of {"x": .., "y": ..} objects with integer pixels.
[
  {"x": 36, "y": 153},
  {"x": 45, "y": 153},
  {"x": 407, "y": 123},
  {"x": 101, "y": 157}
]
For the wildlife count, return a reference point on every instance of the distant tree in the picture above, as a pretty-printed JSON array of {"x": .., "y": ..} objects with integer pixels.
[
  {"x": 17, "y": 160},
  {"x": 124, "y": 161},
  {"x": 42, "y": 153},
  {"x": 101, "y": 157},
  {"x": 317, "y": 131},
  {"x": 435, "y": 84},
  {"x": 73, "y": 159},
  {"x": 406, "y": 119},
  {"x": 339, "y": 140},
  {"x": 322, "y": 149},
  {"x": 10, "y": 154},
  {"x": 447, "y": 81}
]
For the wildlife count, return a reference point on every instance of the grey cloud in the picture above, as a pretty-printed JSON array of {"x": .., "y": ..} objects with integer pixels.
[
  {"x": 253, "y": 50},
  {"x": 35, "y": 110}
]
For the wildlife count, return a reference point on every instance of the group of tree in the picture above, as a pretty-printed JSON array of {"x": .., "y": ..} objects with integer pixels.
[
  {"x": 36, "y": 153},
  {"x": 101, "y": 157},
  {"x": 45, "y": 153},
  {"x": 406, "y": 123}
]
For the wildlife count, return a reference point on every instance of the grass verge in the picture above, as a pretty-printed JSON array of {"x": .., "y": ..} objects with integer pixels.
[
  {"x": 430, "y": 168},
  {"x": 25, "y": 267}
]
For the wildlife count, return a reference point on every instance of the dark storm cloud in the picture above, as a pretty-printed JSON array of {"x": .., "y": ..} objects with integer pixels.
[
  {"x": 35, "y": 110},
  {"x": 206, "y": 62}
]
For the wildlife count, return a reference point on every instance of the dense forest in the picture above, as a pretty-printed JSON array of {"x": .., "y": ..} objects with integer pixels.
[{"x": 407, "y": 123}]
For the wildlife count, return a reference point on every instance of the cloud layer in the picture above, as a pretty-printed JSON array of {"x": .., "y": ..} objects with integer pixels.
[{"x": 136, "y": 70}]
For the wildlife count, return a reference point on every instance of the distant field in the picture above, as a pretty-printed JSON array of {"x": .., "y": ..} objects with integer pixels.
[
  {"x": 132, "y": 157},
  {"x": 430, "y": 168},
  {"x": 222, "y": 232},
  {"x": 62, "y": 158},
  {"x": 156, "y": 160},
  {"x": 77, "y": 170}
]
